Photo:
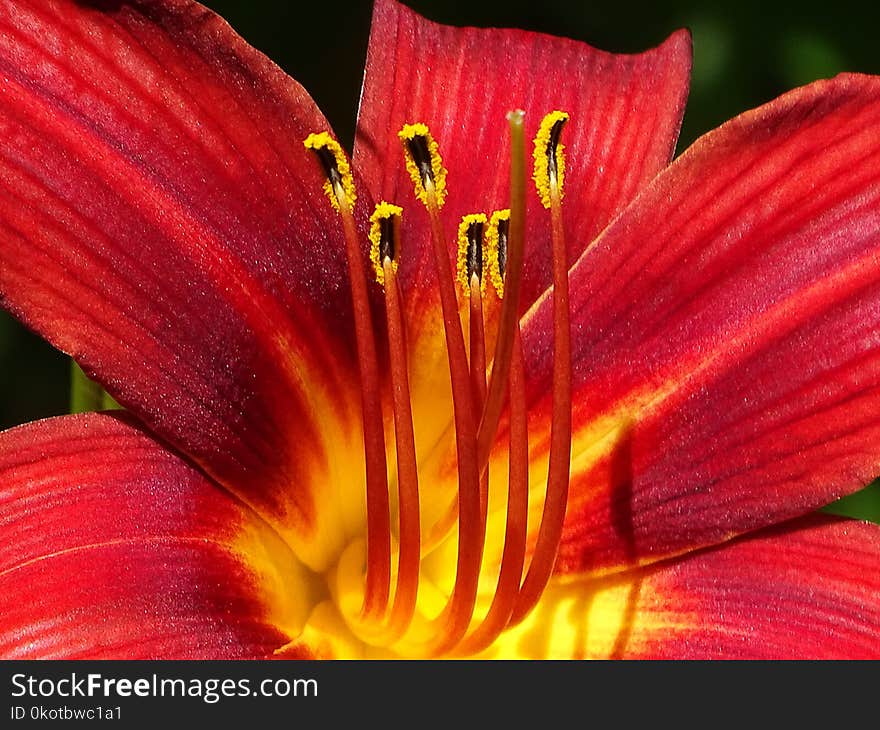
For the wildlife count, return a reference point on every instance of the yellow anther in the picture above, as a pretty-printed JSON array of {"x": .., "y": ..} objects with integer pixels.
[
  {"x": 340, "y": 182},
  {"x": 549, "y": 157},
  {"x": 423, "y": 162},
  {"x": 496, "y": 248},
  {"x": 471, "y": 250},
  {"x": 383, "y": 243}
]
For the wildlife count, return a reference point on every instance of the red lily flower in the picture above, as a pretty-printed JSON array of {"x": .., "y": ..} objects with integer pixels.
[{"x": 702, "y": 378}]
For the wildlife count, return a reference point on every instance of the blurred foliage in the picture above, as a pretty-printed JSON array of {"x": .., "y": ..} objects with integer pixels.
[
  {"x": 86, "y": 395},
  {"x": 864, "y": 505},
  {"x": 745, "y": 53}
]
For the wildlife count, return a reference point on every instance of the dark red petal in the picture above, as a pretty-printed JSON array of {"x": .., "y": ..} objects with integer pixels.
[
  {"x": 111, "y": 546},
  {"x": 806, "y": 590},
  {"x": 726, "y": 335},
  {"x": 461, "y": 82},
  {"x": 161, "y": 221}
]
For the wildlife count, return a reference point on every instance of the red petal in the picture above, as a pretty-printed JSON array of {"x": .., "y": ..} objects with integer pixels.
[
  {"x": 111, "y": 546},
  {"x": 725, "y": 335},
  {"x": 161, "y": 220},
  {"x": 625, "y": 116},
  {"x": 461, "y": 82},
  {"x": 807, "y": 590}
]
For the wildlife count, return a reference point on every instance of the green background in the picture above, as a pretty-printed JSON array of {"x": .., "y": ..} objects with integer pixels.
[{"x": 745, "y": 53}]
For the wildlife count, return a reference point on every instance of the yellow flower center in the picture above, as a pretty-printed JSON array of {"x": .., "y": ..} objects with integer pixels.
[{"x": 394, "y": 587}]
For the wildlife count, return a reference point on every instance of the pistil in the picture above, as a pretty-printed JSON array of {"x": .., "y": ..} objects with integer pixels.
[
  {"x": 510, "y": 304},
  {"x": 550, "y": 166}
]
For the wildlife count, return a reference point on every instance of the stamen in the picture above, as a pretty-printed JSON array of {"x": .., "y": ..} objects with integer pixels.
[
  {"x": 422, "y": 156},
  {"x": 549, "y": 158},
  {"x": 335, "y": 166},
  {"x": 388, "y": 219},
  {"x": 383, "y": 239},
  {"x": 513, "y": 556},
  {"x": 496, "y": 246},
  {"x": 340, "y": 190},
  {"x": 470, "y": 274},
  {"x": 477, "y": 332},
  {"x": 512, "y": 281},
  {"x": 452, "y": 623},
  {"x": 550, "y": 531},
  {"x": 470, "y": 249}
]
